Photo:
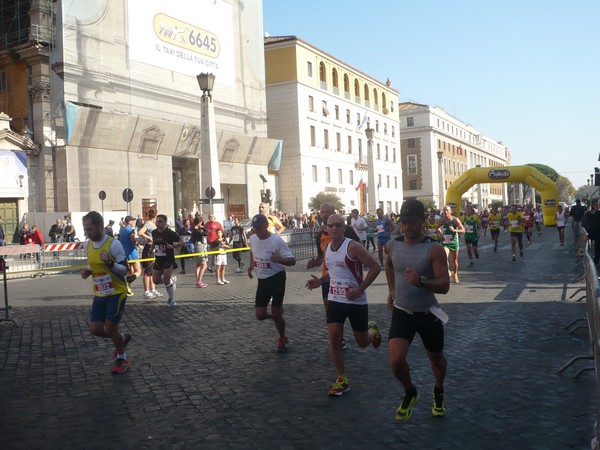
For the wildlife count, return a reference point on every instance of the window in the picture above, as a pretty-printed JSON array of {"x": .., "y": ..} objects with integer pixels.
[
  {"x": 340, "y": 177},
  {"x": 338, "y": 142},
  {"x": 325, "y": 138},
  {"x": 394, "y": 155},
  {"x": 351, "y": 177},
  {"x": 3, "y": 83},
  {"x": 386, "y": 153},
  {"x": 347, "y": 116},
  {"x": 412, "y": 185},
  {"x": 322, "y": 75},
  {"x": 358, "y": 119},
  {"x": 349, "y": 145},
  {"x": 378, "y": 152},
  {"x": 377, "y": 126},
  {"x": 411, "y": 143},
  {"x": 313, "y": 136},
  {"x": 325, "y": 110},
  {"x": 396, "y": 186},
  {"x": 393, "y": 132},
  {"x": 311, "y": 103},
  {"x": 327, "y": 175},
  {"x": 309, "y": 69},
  {"x": 314, "y": 174},
  {"x": 385, "y": 129},
  {"x": 360, "y": 148},
  {"x": 410, "y": 121},
  {"x": 378, "y": 181},
  {"x": 412, "y": 164},
  {"x": 337, "y": 112},
  {"x": 387, "y": 181}
]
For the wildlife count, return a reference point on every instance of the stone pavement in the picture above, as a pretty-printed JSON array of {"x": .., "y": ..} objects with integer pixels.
[{"x": 206, "y": 374}]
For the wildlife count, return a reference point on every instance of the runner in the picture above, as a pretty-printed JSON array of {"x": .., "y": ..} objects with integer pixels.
[
  {"x": 360, "y": 226},
  {"x": 495, "y": 221},
  {"x": 269, "y": 255},
  {"x": 528, "y": 221},
  {"x": 432, "y": 226},
  {"x": 107, "y": 266},
  {"x": 165, "y": 242},
  {"x": 515, "y": 221},
  {"x": 238, "y": 240},
  {"x": 472, "y": 225},
  {"x": 416, "y": 270},
  {"x": 344, "y": 260},
  {"x": 539, "y": 218},
  {"x": 561, "y": 220},
  {"x": 128, "y": 240},
  {"x": 451, "y": 227},
  {"x": 145, "y": 239},
  {"x": 384, "y": 227}
]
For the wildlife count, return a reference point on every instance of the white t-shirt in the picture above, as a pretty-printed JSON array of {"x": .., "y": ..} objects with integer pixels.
[
  {"x": 360, "y": 226},
  {"x": 263, "y": 250}
]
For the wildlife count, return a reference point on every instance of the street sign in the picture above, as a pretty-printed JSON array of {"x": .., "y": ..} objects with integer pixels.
[
  {"x": 127, "y": 195},
  {"x": 208, "y": 201},
  {"x": 102, "y": 195},
  {"x": 210, "y": 192}
]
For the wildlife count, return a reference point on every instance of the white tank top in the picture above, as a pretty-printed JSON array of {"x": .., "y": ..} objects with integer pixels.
[
  {"x": 344, "y": 273},
  {"x": 560, "y": 219}
]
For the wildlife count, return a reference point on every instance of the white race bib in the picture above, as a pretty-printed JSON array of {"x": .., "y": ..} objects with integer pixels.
[{"x": 104, "y": 284}]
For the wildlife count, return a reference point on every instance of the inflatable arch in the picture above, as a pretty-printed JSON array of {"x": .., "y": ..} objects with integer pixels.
[{"x": 515, "y": 174}]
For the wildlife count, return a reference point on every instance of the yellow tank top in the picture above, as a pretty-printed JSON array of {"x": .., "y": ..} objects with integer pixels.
[
  {"x": 106, "y": 283},
  {"x": 431, "y": 229}
]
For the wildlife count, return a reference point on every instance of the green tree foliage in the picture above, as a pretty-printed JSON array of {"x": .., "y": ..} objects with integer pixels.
[
  {"x": 566, "y": 191},
  {"x": 326, "y": 197},
  {"x": 548, "y": 171}
]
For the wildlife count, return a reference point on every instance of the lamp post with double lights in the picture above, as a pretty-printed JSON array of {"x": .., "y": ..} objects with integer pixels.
[
  {"x": 209, "y": 157},
  {"x": 440, "y": 157},
  {"x": 372, "y": 201}
]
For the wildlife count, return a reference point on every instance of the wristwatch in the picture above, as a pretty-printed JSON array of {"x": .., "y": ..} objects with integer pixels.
[{"x": 422, "y": 280}]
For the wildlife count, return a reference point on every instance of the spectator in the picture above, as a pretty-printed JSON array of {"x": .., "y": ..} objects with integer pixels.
[
  {"x": 2, "y": 237},
  {"x": 108, "y": 230},
  {"x": 69, "y": 232}
]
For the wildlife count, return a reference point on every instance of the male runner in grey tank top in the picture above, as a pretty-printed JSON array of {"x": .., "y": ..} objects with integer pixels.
[{"x": 416, "y": 269}]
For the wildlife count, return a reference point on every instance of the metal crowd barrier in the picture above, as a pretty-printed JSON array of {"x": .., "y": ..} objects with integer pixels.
[
  {"x": 6, "y": 308},
  {"x": 34, "y": 260},
  {"x": 592, "y": 318}
]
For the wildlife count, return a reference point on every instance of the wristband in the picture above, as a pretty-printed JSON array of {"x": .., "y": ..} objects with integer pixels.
[
  {"x": 422, "y": 281},
  {"x": 110, "y": 264}
]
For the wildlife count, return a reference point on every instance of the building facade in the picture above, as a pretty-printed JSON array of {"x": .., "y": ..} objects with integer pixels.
[
  {"x": 109, "y": 92},
  {"x": 437, "y": 148},
  {"x": 323, "y": 110}
]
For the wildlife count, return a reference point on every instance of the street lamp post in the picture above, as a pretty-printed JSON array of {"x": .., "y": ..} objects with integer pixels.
[
  {"x": 440, "y": 157},
  {"x": 372, "y": 186},
  {"x": 209, "y": 157}
]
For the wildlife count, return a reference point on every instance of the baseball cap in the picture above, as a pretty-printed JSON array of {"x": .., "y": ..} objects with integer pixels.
[
  {"x": 259, "y": 220},
  {"x": 129, "y": 219},
  {"x": 411, "y": 211}
]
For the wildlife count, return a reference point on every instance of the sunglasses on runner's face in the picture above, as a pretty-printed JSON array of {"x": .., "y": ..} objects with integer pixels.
[{"x": 335, "y": 225}]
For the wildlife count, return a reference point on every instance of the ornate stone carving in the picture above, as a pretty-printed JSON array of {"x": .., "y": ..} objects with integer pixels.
[{"x": 40, "y": 92}]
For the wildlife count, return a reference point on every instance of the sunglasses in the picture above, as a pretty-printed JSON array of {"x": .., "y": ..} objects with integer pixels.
[{"x": 335, "y": 225}]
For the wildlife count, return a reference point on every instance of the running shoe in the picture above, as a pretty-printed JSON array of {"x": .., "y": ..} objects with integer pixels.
[
  {"x": 439, "y": 405},
  {"x": 170, "y": 303},
  {"x": 225, "y": 281},
  {"x": 404, "y": 411},
  {"x": 157, "y": 294},
  {"x": 514, "y": 258},
  {"x": 220, "y": 282},
  {"x": 126, "y": 339},
  {"x": 201, "y": 285},
  {"x": 340, "y": 386},
  {"x": 382, "y": 267},
  {"x": 129, "y": 292},
  {"x": 282, "y": 344},
  {"x": 239, "y": 270},
  {"x": 471, "y": 264},
  {"x": 131, "y": 278},
  {"x": 182, "y": 272},
  {"x": 210, "y": 269},
  {"x": 376, "y": 339},
  {"x": 149, "y": 295},
  {"x": 121, "y": 366},
  {"x": 456, "y": 278}
]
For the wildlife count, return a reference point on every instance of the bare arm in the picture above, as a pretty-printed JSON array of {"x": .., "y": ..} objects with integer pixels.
[{"x": 358, "y": 252}]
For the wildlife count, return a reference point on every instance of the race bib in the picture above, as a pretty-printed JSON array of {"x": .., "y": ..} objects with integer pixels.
[
  {"x": 495, "y": 223},
  {"x": 380, "y": 229},
  {"x": 448, "y": 238},
  {"x": 262, "y": 264},
  {"x": 104, "y": 284},
  {"x": 339, "y": 288},
  {"x": 468, "y": 228},
  {"x": 514, "y": 223}
]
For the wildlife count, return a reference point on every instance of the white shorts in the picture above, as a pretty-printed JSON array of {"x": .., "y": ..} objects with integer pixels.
[{"x": 221, "y": 260}]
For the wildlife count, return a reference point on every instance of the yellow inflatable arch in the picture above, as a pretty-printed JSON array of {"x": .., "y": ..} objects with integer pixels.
[{"x": 514, "y": 174}]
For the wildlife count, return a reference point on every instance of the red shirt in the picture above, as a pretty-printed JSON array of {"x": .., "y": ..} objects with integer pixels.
[{"x": 212, "y": 228}]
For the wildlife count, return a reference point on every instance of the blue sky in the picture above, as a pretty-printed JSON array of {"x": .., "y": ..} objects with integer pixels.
[{"x": 522, "y": 72}]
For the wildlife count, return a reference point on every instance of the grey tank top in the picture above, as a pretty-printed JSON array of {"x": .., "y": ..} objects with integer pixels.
[{"x": 409, "y": 297}]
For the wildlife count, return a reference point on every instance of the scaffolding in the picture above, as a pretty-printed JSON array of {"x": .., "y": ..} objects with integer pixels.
[{"x": 16, "y": 27}]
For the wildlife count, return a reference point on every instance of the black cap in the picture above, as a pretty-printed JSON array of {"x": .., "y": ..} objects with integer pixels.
[{"x": 411, "y": 211}]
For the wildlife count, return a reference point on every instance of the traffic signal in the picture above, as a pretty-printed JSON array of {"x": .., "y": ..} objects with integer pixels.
[{"x": 268, "y": 197}]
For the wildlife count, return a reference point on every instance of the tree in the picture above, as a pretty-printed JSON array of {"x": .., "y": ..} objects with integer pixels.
[
  {"x": 428, "y": 203},
  {"x": 326, "y": 197},
  {"x": 548, "y": 171},
  {"x": 566, "y": 191}
]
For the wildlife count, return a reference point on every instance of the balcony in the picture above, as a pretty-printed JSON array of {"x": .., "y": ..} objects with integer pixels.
[{"x": 361, "y": 164}]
